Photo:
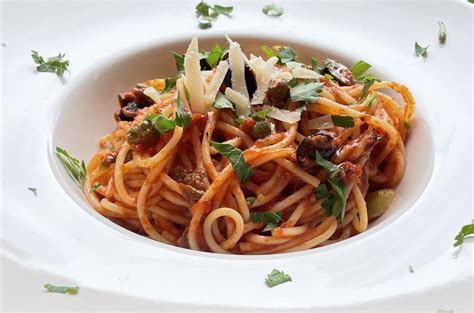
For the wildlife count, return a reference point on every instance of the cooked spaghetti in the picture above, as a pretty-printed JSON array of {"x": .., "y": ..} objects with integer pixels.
[{"x": 243, "y": 155}]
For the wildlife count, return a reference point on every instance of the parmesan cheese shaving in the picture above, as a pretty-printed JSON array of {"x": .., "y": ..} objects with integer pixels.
[
  {"x": 263, "y": 82},
  {"x": 216, "y": 82},
  {"x": 301, "y": 72},
  {"x": 192, "y": 70},
  {"x": 322, "y": 122},
  {"x": 242, "y": 105},
  {"x": 286, "y": 116},
  {"x": 237, "y": 66},
  {"x": 153, "y": 94}
]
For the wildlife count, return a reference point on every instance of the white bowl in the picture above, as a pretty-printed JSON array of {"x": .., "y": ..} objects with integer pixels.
[{"x": 94, "y": 99}]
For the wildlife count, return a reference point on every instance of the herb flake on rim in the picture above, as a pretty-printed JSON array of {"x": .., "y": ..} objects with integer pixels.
[
  {"x": 277, "y": 277},
  {"x": 272, "y": 10},
  {"x": 62, "y": 289}
]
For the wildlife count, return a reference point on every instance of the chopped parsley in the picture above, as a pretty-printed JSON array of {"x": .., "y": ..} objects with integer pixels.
[
  {"x": 442, "y": 33},
  {"x": 170, "y": 84},
  {"x": 342, "y": 121},
  {"x": 321, "y": 192},
  {"x": 465, "y": 231},
  {"x": 163, "y": 124},
  {"x": 214, "y": 56},
  {"x": 277, "y": 277},
  {"x": 206, "y": 14},
  {"x": 359, "y": 69},
  {"x": 272, "y": 10},
  {"x": 421, "y": 51},
  {"x": 334, "y": 203},
  {"x": 307, "y": 92},
  {"x": 33, "y": 190},
  {"x": 406, "y": 124},
  {"x": 223, "y": 103},
  {"x": 410, "y": 269},
  {"x": 368, "y": 81},
  {"x": 179, "y": 61},
  {"x": 284, "y": 54},
  {"x": 369, "y": 101},
  {"x": 236, "y": 159},
  {"x": 55, "y": 64},
  {"x": 94, "y": 187},
  {"x": 259, "y": 116},
  {"x": 75, "y": 168},
  {"x": 269, "y": 218},
  {"x": 62, "y": 289},
  {"x": 251, "y": 200}
]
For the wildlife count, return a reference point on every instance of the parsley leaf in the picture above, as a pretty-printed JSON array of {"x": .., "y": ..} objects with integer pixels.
[
  {"x": 308, "y": 92},
  {"x": 62, "y": 289},
  {"x": 360, "y": 68},
  {"x": 369, "y": 80},
  {"x": 33, "y": 190},
  {"x": 265, "y": 217},
  {"x": 465, "y": 231},
  {"x": 75, "y": 169},
  {"x": 223, "y": 103},
  {"x": 314, "y": 65},
  {"x": 53, "y": 65},
  {"x": 214, "y": 56},
  {"x": 442, "y": 33},
  {"x": 272, "y": 10},
  {"x": 259, "y": 116},
  {"x": 206, "y": 14},
  {"x": 342, "y": 121},
  {"x": 321, "y": 192},
  {"x": 410, "y": 269},
  {"x": 406, "y": 124},
  {"x": 271, "y": 219},
  {"x": 334, "y": 204},
  {"x": 162, "y": 123},
  {"x": 94, "y": 187},
  {"x": 269, "y": 52},
  {"x": 179, "y": 61},
  {"x": 419, "y": 50},
  {"x": 170, "y": 83},
  {"x": 223, "y": 10},
  {"x": 236, "y": 158},
  {"x": 183, "y": 118},
  {"x": 286, "y": 54},
  {"x": 277, "y": 277},
  {"x": 369, "y": 101},
  {"x": 251, "y": 200}
]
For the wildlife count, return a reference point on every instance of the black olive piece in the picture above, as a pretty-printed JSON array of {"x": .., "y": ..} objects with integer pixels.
[{"x": 340, "y": 72}]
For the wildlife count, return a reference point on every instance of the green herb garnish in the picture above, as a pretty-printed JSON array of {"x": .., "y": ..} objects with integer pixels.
[
  {"x": 55, "y": 64},
  {"x": 442, "y": 33},
  {"x": 406, "y": 124},
  {"x": 369, "y": 101},
  {"x": 75, "y": 168},
  {"x": 236, "y": 158},
  {"x": 277, "y": 277},
  {"x": 465, "y": 231},
  {"x": 179, "y": 61},
  {"x": 272, "y": 10},
  {"x": 342, "y": 121},
  {"x": 259, "y": 116},
  {"x": 170, "y": 84},
  {"x": 183, "y": 118},
  {"x": 269, "y": 52},
  {"x": 321, "y": 192},
  {"x": 335, "y": 203},
  {"x": 307, "y": 92},
  {"x": 206, "y": 14},
  {"x": 419, "y": 50},
  {"x": 251, "y": 200},
  {"x": 214, "y": 56},
  {"x": 33, "y": 190},
  {"x": 369, "y": 80},
  {"x": 94, "y": 187},
  {"x": 410, "y": 269},
  {"x": 269, "y": 218},
  {"x": 286, "y": 54},
  {"x": 62, "y": 289},
  {"x": 223, "y": 103},
  {"x": 359, "y": 69},
  {"x": 162, "y": 124}
]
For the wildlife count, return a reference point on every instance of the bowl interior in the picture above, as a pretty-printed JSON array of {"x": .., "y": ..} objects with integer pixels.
[{"x": 86, "y": 113}]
